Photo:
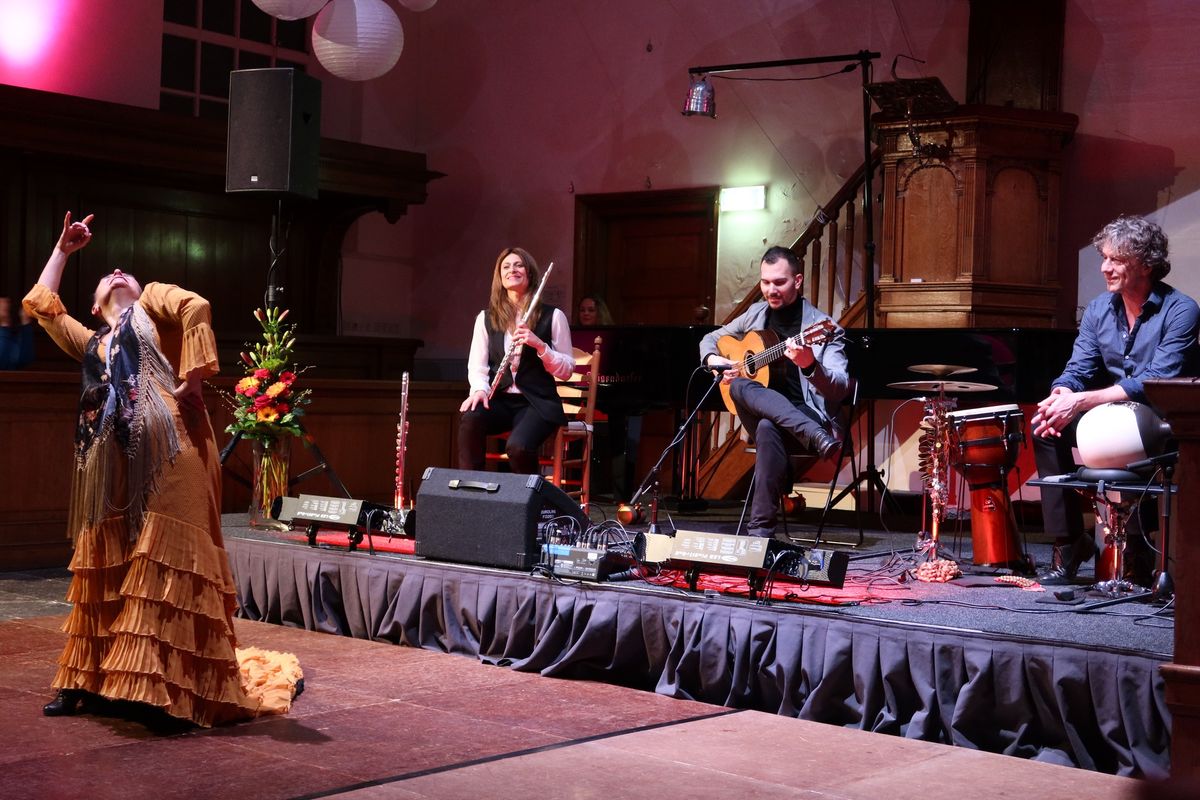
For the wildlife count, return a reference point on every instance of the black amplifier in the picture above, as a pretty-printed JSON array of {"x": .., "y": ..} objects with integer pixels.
[
  {"x": 813, "y": 565},
  {"x": 572, "y": 561}
]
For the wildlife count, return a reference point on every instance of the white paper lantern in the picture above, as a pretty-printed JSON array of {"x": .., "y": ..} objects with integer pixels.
[
  {"x": 357, "y": 39},
  {"x": 418, "y": 5},
  {"x": 290, "y": 9}
]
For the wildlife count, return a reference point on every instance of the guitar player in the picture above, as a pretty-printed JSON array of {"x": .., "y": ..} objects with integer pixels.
[{"x": 796, "y": 410}]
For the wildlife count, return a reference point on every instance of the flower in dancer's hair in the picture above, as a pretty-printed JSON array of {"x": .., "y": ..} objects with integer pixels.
[{"x": 265, "y": 403}]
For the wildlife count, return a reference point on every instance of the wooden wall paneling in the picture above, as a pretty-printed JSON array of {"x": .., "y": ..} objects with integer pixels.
[
  {"x": 930, "y": 223},
  {"x": 37, "y": 429},
  {"x": 1179, "y": 401},
  {"x": 354, "y": 423},
  {"x": 1016, "y": 227},
  {"x": 972, "y": 213}
]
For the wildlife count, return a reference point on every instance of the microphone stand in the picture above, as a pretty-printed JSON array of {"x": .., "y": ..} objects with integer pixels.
[{"x": 650, "y": 483}]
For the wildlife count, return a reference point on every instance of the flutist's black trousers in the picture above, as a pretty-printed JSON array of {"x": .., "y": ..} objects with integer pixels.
[{"x": 508, "y": 412}]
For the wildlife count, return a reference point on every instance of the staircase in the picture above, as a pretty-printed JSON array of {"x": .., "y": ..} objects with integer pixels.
[{"x": 834, "y": 254}]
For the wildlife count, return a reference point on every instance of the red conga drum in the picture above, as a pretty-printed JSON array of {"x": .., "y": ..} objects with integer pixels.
[{"x": 987, "y": 442}]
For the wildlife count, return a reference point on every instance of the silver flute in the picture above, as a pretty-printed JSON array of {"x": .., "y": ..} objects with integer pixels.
[{"x": 512, "y": 348}]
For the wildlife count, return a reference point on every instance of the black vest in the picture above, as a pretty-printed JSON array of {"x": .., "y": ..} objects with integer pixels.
[{"x": 535, "y": 382}]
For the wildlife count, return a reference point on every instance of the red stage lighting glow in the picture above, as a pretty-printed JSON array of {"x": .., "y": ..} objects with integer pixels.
[{"x": 27, "y": 29}]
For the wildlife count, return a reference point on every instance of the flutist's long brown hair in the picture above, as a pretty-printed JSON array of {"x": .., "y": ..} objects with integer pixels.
[{"x": 502, "y": 314}]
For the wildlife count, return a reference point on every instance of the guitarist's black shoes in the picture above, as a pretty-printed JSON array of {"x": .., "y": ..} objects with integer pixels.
[{"x": 826, "y": 446}]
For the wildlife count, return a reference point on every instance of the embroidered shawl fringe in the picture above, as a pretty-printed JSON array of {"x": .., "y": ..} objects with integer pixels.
[{"x": 153, "y": 442}]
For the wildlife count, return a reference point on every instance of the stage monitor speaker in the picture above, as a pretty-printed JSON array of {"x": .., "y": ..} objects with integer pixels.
[
  {"x": 274, "y": 134},
  {"x": 489, "y": 518}
]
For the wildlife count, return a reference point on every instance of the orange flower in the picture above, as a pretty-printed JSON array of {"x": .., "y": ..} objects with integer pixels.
[
  {"x": 276, "y": 389},
  {"x": 267, "y": 414},
  {"x": 247, "y": 386}
]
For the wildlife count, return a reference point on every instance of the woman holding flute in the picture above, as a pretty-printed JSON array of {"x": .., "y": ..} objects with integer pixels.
[{"x": 519, "y": 346}]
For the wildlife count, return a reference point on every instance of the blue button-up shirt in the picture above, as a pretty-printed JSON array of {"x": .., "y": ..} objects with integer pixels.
[{"x": 1162, "y": 344}]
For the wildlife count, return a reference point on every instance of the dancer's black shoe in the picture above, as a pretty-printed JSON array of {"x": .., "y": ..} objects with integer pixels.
[{"x": 67, "y": 703}]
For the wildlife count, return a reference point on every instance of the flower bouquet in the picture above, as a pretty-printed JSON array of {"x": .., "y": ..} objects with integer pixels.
[{"x": 267, "y": 410}]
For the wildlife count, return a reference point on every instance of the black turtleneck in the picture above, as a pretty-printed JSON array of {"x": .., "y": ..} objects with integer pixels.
[{"x": 786, "y": 322}]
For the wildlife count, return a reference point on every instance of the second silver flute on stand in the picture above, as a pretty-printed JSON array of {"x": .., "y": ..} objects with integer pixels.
[{"x": 512, "y": 348}]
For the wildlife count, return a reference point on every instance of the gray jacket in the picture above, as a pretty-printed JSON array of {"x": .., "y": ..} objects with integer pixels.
[{"x": 829, "y": 383}]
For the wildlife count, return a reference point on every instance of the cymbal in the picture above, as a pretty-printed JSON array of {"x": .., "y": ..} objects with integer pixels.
[
  {"x": 942, "y": 386},
  {"x": 941, "y": 370}
]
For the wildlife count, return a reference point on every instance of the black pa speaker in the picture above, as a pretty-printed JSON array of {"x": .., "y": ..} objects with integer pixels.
[
  {"x": 488, "y": 518},
  {"x": 274, "y": 134}
]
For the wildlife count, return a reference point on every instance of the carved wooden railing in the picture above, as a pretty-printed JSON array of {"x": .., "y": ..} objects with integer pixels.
[{"x": 833, "y": 250}]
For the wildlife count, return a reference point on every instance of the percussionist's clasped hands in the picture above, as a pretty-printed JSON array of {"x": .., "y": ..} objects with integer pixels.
[{"x": 1056, "y": 412}]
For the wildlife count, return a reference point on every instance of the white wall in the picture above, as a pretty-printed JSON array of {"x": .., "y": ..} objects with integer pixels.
[
  {"x": 521, "y": 103},
  {"x": 524, "y": 103},
  {"x": 1130, "y": 75},
  {"x": 103, "y": 49}
]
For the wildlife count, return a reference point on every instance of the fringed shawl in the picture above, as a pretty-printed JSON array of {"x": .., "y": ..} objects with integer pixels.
[{"x": 122, "y": 416}]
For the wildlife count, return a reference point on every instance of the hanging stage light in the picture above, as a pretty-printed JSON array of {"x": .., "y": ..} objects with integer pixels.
[{"x": 701, "y": 99}]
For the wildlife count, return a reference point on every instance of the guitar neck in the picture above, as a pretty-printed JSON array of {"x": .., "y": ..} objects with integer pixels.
[{"x": 817, "y": 333}]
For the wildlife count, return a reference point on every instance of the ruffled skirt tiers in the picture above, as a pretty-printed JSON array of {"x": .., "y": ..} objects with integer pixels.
[{"x": 155, "y": 626}]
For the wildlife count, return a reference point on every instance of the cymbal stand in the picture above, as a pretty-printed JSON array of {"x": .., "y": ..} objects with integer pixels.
[{"x": 934, "y": 462}]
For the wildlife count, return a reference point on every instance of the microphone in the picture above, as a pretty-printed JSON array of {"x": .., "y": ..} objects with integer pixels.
[
  {"x": 718, "y": 367},
  {"x": 1154, "y": 461},
  {"x": 227, "y": 450}
]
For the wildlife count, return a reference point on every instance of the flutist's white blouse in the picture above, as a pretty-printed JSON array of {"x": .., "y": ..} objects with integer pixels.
[{"x": 559, "y": 358}]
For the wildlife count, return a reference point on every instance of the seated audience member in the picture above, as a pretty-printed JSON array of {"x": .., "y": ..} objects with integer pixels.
[
  {"x": 592, "y": 311},
  {"x": 16, "y": 340}
]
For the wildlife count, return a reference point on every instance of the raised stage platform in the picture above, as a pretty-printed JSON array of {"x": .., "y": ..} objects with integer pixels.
[{"x": 987, "y": 666}]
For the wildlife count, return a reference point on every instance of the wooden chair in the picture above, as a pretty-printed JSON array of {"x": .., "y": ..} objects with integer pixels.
[{"x": 570, "y": 471}]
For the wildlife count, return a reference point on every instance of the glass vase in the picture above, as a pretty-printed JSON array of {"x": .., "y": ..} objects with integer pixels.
[{"x": 271, "y": 461}]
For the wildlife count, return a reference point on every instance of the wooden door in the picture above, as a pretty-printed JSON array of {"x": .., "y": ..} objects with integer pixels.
[{"x": 651, "y": 255}]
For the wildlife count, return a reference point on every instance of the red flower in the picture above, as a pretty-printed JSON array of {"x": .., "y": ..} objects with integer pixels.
[
  {"x": 262, "y": 401},
  {"x": 262, "y": 374},
  {"x": 287, "y": 377}
]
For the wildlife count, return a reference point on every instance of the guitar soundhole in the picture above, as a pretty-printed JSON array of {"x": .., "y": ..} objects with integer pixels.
[{"x": 750, "y": 367}]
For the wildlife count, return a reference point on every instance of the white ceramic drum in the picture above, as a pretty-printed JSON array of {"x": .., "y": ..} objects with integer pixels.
[{"x": 1115, "y": 435}]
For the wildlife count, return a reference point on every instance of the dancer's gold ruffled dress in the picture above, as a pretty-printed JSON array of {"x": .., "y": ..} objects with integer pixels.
[{"x": 152, "y": 612}]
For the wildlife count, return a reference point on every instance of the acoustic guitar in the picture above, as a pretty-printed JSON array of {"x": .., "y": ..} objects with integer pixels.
[{"x": 754, "y": 353}]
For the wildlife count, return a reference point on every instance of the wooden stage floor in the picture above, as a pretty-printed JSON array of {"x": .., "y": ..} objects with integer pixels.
[{"x": 384, "y": 721}]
